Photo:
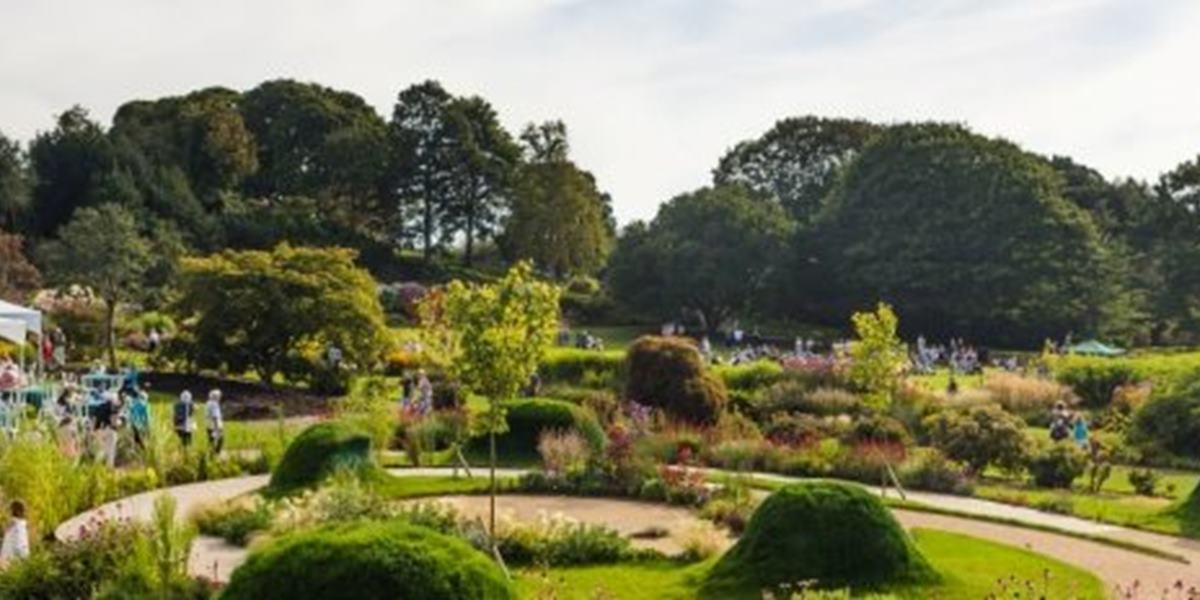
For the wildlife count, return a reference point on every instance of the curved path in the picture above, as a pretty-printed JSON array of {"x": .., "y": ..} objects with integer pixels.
[{"x": 213, "y": 558}]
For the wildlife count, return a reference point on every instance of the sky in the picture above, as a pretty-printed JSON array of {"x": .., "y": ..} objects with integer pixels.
[{"x": 653, "y": 92}]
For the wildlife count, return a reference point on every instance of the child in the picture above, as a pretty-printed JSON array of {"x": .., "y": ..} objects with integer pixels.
[
  {"x": 214, "y": 423},
  {"x": 16, "y": 537},
  {"x": 184, "y": 423}
]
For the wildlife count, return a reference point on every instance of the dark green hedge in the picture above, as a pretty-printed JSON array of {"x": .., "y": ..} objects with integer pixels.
[
  {"x": 835, "y": 533},
  {"x": 368, "y": 560},
  {"x": 528, "y": 418},
  {"x": 669, "y": 373},
  {"x": 317, "y": 452}
]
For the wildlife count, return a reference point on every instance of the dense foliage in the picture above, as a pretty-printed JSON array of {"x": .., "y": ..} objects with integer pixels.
[
  {"x": 369, "y": 560},
  {"x": 833, "y": 533},
  {"x": 278, "y": 312},
  {"x": 319, "y": 452},
  {"x": 527, "y": 419},
  {"x": 669, "y": 373},
  {"x": 979, "y": 436}
]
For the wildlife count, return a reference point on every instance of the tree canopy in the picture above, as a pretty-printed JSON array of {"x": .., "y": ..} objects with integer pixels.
[
  {"x": 277, "y": 312},
  {"x": 711, "y": 252},
  {"x": 965, "y": 235}
]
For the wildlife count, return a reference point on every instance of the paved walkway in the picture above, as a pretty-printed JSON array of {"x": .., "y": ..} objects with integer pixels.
[{"x": 211, "y": 557}]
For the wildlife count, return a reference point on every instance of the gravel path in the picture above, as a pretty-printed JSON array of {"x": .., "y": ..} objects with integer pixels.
[{"x": 213, "y": 558}]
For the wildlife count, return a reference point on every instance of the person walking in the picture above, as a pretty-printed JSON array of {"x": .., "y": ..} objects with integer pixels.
[
  {"x": 16, "y": 537},
  {"x": 184, "y": 418},
  {"x": 139, "y": 417},
  {"x": 1081, "y": 434},
  {"x": 214, "y": 423}
]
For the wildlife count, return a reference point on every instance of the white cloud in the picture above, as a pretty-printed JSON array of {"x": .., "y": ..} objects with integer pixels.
[{"x": 653, "y": 91}]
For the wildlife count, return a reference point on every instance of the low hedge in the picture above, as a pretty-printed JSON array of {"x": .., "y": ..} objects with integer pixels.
[
  {"x": 750, "y": 377},
  {"x": 574, "y": 365},
  {"x": 1170, "y": 423},
  {"x": 319, "y": 451},
  {"x": 528, "y": 418},
  {"x": 368, "y": 560}
]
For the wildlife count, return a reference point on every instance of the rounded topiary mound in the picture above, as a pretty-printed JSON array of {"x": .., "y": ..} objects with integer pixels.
[
  {"x": 365, "y": 560},
  {"x": 668, "y": 373},
  {"x": 318, "y": 451},
  {"x": 834, "y": 533},
  {"x": 528, "y": 418}
]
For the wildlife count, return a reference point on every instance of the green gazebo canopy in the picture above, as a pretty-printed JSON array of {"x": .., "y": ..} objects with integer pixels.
[{"x": 1095, "y": 348}]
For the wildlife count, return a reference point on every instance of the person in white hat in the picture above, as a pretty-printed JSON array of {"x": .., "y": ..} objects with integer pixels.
[{"x": 214, "y": 423}]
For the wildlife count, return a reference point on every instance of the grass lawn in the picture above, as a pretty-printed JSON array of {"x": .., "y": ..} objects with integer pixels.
[
  {"x": 239, "y": 435},
  {"x": 971, "y": 568},
  {"x": 398, "y": 488},
  {"x": 939, "y": 380}
]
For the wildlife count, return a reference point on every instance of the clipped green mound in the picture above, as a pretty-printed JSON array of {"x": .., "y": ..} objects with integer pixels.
[
  {"x": 669, "y": 373},
  {"x": 834, "y": 533},
  {"x": 319, "y": 451},
  {"x": 528, "y": 418},
  {"x": 366, "y": 560}
]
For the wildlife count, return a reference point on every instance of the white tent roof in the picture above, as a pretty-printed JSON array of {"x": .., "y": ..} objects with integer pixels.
[
  {"x": 30, "y": 317},
  {"x": 12, "y": 330}
]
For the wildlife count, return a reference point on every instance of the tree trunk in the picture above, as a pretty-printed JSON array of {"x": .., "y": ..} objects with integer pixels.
[
  {"x": 492, "y": 475},
  {"x": 427, "y": 229},
  {"x": 470, "y": 234},
  {"x": 110, "y": 334}
]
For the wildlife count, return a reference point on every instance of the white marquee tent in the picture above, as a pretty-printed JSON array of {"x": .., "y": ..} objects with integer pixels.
[{"x": 17, "y": 321}]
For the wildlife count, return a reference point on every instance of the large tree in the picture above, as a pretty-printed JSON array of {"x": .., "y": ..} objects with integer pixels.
[
  {"x": 484, "y": 158},
  {"x": 276, "y": 312},
  {"x": 710, "y": 252},
  {"x": 14, "y": 182},
  {"x": 559, "y": 218},
  {"x": 797, "y": 161},
  {"x": 421, "y": 159},
  {"x": 319, "y": 142},
  {"x": 969, "y": 236},
  {"x": 101, "y": 248},
  {"x": 67, "y": 163}
]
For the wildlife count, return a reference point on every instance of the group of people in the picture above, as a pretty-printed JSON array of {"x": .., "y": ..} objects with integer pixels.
[
  {"x": 416, "y": 395},
  {"x": 183, "y": 419},
  {"x": 958, "y": 355},
  {"x": 1066, "y": 424},
  {"x": 583, "y": 340}
]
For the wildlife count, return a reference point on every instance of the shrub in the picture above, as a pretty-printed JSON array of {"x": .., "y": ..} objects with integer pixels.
[
  {"x": 835, "y": 533},
  {"x": 568, "y": 365},
  {"x": 558, "y": 541},
  {"x": 233, "y": 522},
  {"x": 978, "y": 436},
  {"x": 318, "y": 452},
  {"x": 795, "y": 396},
  {"x": 702, "y": 540},
  {"x": 1061, "y": 504},
  {"x": 72, "y": 569},
  {"x": 1170, "y": 422},
  {"x": 1144, "y": 481},
  {"x": 930, "y": 470},
  {"x": 668, "y": 373},
  {"x": 528, "y": 419},
  {"x": 1030, "y": 398},
  {"x": 368, "y": 560},
  {"x": 749, "y": 377},
  {"x": 878, "y": 429},
  {"x": 1095, "y": 379},
  {"x": 1056, "y": 465},
  {"x": 562, "y": 452}
]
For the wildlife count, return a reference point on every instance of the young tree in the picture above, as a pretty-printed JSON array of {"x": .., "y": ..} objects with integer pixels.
[
  {"x": 492, "y": 337},
  {"x": 877, "y": 355},
  {"x": 101, "y": 248},
  {"x": 559, "y": 218}
]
